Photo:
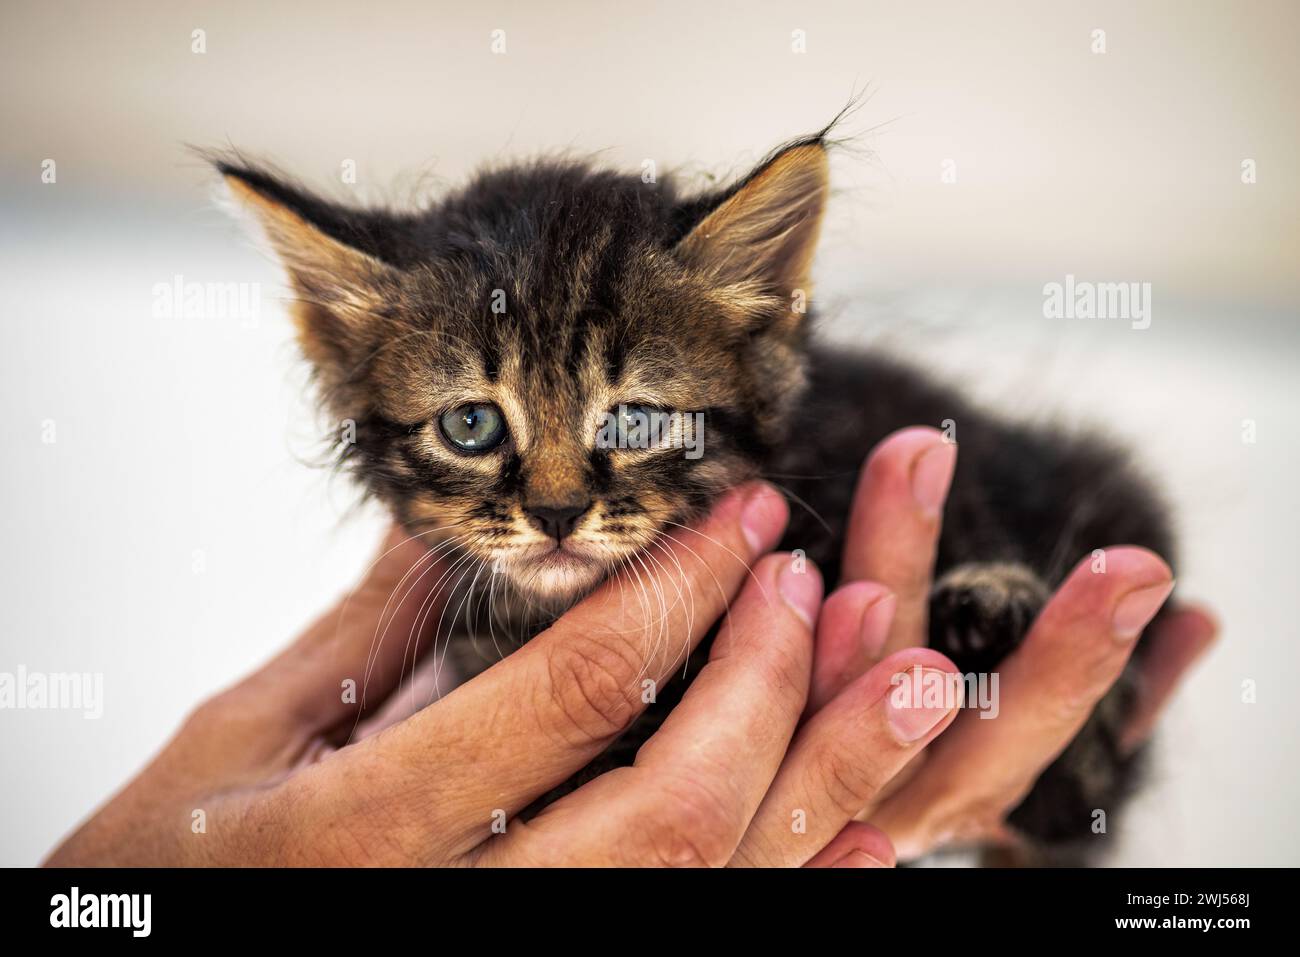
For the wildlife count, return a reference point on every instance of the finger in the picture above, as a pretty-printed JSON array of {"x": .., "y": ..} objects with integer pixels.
[
  {"x": 1175, "y": 644},
  {"x": 894, "y": 524},
  {"x": 432, "y": 679},
  {"x": 354, "y": 655},
  {"x": 858, "y": 845},
  {"x": 847, "y": 752},
  {"x": 1046, "y": 689},
  {"x": 697, "y": 781},
  {"x": 851, "y": 634},
  {"x": 526, "y": 724}
]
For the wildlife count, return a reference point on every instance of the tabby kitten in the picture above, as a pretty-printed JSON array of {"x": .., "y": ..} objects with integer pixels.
[{"x": 479, "y": 344}]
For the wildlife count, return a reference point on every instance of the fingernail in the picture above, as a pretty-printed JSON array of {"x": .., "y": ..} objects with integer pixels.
[
  {"x": 911, "y": 715},
  {"x": 761, "y": 519},
  {"x": 856, "y": 858},
  {"x": 802, "y": 590},
  {"x": 876, "y": 619},
  {"x": 932, "y": 474},
  {"x": 1137, "y": 608}
]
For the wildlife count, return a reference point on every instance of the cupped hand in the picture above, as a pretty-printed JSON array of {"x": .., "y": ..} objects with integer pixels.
[
  {"x": 316, "y": 760},
  {"x": 964, "y": 785}
]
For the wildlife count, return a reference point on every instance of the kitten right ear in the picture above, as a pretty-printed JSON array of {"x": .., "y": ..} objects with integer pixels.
[
  {"x": 764, "y": 230},
  {"x": 340, "y": 285}
]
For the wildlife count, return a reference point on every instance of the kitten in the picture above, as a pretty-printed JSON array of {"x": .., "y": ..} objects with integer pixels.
[{"x": 479, "y": 344}]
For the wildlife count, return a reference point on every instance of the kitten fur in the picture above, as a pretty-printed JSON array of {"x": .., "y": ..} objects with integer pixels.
[{"x": 556, "y": 291}]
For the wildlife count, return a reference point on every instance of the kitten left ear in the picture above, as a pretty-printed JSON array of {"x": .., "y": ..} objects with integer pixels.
[
  {"x": 340, "y": 283},
  {"x": 766, "y": 230}
]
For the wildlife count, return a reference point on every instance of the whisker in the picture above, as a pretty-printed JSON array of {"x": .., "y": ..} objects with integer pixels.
[
  {"x": 681, "y": 600},
  {"x": 438, "y": 629},
  {"x": 439, "y": 659},
  {"x": 798, "y": 501},
  {"x": 426, "y": 610},
  {"x": 662, "y": 620},
  {"x": 744, "y": 562},
  {"x": 417, "y": 623},
  {"x": 690, "y": 613},
  {"x": 373, "y": 653}
]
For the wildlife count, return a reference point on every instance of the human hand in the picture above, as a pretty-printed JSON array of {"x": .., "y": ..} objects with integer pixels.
[
  {"x": 265, "y": 767},
  {"x": 961, "y": 789}
]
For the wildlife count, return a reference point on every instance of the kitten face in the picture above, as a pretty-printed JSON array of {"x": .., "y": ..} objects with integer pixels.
[
  {"x": 500, "y": 358},
  {"x": 550, "y": 503}
]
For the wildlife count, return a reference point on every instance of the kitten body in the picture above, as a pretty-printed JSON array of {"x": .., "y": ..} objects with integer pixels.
[
  {"x": 1026, "y": 505},
  {"x": 474, "y": 346}
]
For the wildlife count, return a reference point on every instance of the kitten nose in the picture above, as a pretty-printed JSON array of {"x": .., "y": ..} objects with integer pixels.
[{"x": 557, "y": 521}]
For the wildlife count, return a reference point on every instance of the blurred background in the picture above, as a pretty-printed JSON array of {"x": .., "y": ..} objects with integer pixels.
[{"x": 163, "y": 529}]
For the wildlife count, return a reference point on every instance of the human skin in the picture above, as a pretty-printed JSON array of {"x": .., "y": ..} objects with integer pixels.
[
  {"x": 962, "y": 788},
  {"x": 786, "y": 736},
  {"x": 263, "y": 763}
]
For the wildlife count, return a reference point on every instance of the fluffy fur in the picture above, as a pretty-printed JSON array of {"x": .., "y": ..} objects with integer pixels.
[{"x": 556, "y": 291}]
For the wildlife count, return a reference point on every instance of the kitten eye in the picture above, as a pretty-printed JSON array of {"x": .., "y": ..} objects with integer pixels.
[
  {"x": 638, "y": 426},
  {"x": 474, "y": 427}
]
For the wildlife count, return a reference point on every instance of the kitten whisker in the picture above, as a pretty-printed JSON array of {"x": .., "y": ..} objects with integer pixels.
[
  {"x": 748, "y": 569},
  {"x": 417, "y": 623},
  {"x": 467, "y": 562},
  {"x": 799, "y": 501},
  {"x": 373, "y": 652},
  {"x": 465, "y": 603},
  {"x": 690, "y": 614},
  {"x": 722, "y": 594},
  {"x": 469, "y": 566},
  {"x": 417, "y": 627},
  {"x": 477, "y": 567},
  {"x": 681, "y": 600},
  {"x": 662, "y": 620}
]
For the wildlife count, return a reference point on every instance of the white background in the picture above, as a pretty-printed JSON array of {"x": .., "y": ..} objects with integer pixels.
[{"x": 178, "y": 439}]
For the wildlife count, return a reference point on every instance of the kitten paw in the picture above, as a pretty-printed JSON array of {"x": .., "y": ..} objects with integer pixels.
[{"x": 979, "y": 612}]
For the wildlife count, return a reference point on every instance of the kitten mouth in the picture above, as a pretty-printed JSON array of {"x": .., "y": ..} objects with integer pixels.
[
  {"x": 561, "y": 556},
  {"x": 559, "y": 572}
]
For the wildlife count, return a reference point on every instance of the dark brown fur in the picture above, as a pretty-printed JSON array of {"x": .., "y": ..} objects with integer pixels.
[{"x": 608, "y": 289}]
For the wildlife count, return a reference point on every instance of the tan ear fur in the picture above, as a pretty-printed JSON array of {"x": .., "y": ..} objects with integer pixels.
[
  {"x": 766, "y": 232},
  {"x": 338, "y": 286}
]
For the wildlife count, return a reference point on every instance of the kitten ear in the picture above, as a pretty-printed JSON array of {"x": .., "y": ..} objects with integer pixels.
[
  {"x": 765, "y": 229},
  {"x": 340, "y": 283}
]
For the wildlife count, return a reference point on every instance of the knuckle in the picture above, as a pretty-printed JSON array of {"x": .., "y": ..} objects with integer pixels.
[
  {"x": 1073, "y": 696},
  {"x": 975, "y": 820},
  {"x": 848, "y": 779},
  {"x": 1099, "y": 672},
  {"x": 592, "y": 686},
  {"x": 236, "y": 712},
  {"x": 786, "y": 672},
  {"x": 691, "y": 827},
  {"x": 211, "y": 714},
  {"x": 1060, "y": 705},
  {"x": 300, "y": 822}
]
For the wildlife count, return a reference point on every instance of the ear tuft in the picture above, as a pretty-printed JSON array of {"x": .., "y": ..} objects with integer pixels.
[
  {"x": 340, "y": 287},
  {"x": 765, "y": 231},
  {"x": 315, "y": 261}
]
